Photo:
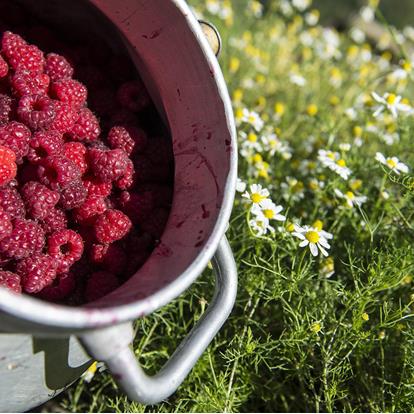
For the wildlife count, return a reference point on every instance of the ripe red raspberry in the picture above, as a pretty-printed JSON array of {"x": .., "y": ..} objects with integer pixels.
[
  {"x": 96, "y": 187},
  {"x": 155, "y": 222},
  {"x": 57, "y": 67},
  {"x": 4, "y": 68},
  {"x": 133, "y": 96},
  {"x": 65, "y": 117},
  {"x": 44, "y": 144},
  {"x": 73, "y": 195},
  {"x": 130, "y": 139},
  {"x": 63, "y": 285},
  {"x": 87, "y": 213},
  {"x": 5, "y": 109},
  {"x": 6, "y": 226},
  {"x": 99, "y": 285},
  {"x": 86, "y": 128},
  {"x": 38, "y": 199},
  {"x": 111, "y": 226},
  {"x": 36, "y": 111},
  {"x": 11, "y": 281},
  {"x": 16, "y": 136},
  {"x": 76, "y": 152},
  {"x": 20, "y": 55},
  {"x": 128, "y": 179},
  {"x": 11, "y": 202},
  {"x": 110, "y": 257},
  {"x": 8, "y": 167},
  {"x": 66, "y": 246},
  {"x": 69, "y": 91},
  {"x": 57, "y": 172},
  {"x": 54, "y": 221},
  {"x": 108, "y": 165},
  {"x": 137, "y": 206},
  {"x": 36, "y": 272},
  {"x": 26, "y": 83},
  {"x": 26, "y": 239}
]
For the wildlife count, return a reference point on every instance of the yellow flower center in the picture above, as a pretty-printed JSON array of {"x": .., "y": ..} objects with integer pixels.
[
  {"x": 357, "y": 131},
  {"x": 290, "y": 227},
  {"x": 238, "y": 95},
  {"x": 341, "y": 163},
  {"x": 391, "y": 163},
  {"x": 350, "y": 195},
  {"x": 268, "y": 213},
  {"x": 252, "y": 137},
  {"x": 257, "y": 198},
  {"x": 316, "y": 327},
  {"x": 365, "y": 316},
  {"x": 318, "y": 224},
  {"x": 330, "y": 155},
  {"x": 234, "y": 64},
  {"x": 406, "y": 66},
  {"x": 312, "y": 110},
  {"x": 391, "y": 98},
  {"x": 279, "y": 108},
  {"x": 334, "y": 100},
  {"x": 251, "y": 119},
  {"x": 356, "y": 184},
  {"x": 257, "y": 158},
  {"x": 312, "y": 236},
  {"x": 239, "y": 114}
]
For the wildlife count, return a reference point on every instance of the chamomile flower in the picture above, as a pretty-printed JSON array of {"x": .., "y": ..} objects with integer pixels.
[
  {"x": 390, "y": 102},
  {"x": 240, "y": 186},
  {"x": 249, "y": 144},
  {"x": 269, "y": 210},
  {"x": 273, "y": 145},
  {"x": 257, "y": 194},
  {"x": 315, "y": 238},
  {"x": 350, "y": 198},
  {"x": 393, "y": 163},
  {"x": 261, "y": 225},
  {"x": 334, "y": 162},
  {"x": 252, "y": 118},
  {"x": 297, "y": 79}
]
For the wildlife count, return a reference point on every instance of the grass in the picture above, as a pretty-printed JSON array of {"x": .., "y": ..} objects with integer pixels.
[{"x": 307, "y": 333}]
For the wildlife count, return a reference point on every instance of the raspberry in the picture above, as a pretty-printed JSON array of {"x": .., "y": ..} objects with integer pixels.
[
  {"x": 66, "y": 246},
  {"x": 137, "y": 206},
  {"x": 155, "y": 222},
  {"x": 133, "y": 96},
  {"x": 86, "y": 127},
  {"x": 44, "y": 144},
  {"x": 111, "y": 257},
  {"x": 36, "y": 272},
  {"x": 97, "y": 188},
  {"x": 4, "y": 68},
  {"x": 108, "y": 165},
  {"x": 128, "y": 179},
  {"x": 100, "y": 284},
  {"x": 112, "y": 225},
  {"x": 54, "y": 221},
  {"x": 61, "y": 288},
  {"x": 87, "y": 213},
  {"x": 73, "y": 195},
  {"x": 76, "y": 152},
  {"x": 26, "y": 239},
  {"x": 10, "y": 281},
  {"x": 16, "y": 136},
  {"x": 26, "y": 83},
  {"x": 38, "y": 199},
  {"x": 11, "y": 202},
  {"x": 69, "y": 91},
  {"x": 21, "y": 55},
  {"x": 57, "y": 67},
  {"x": 5, "y": 109},
  {"x": 57, "y": 172},
  {"x": 130, "y": 139},
  {"x": 8, "y": 167},
  {"x": 36, "y": 111},
  {"x": 65, "y": 117},
  {"x": 6, "y": 226}
]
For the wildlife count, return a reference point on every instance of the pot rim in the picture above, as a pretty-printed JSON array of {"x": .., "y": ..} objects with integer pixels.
[{"x": 64, "y": 317}]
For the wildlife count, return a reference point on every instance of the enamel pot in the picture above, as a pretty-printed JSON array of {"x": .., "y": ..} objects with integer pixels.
[{"x": 45, "y": 347}]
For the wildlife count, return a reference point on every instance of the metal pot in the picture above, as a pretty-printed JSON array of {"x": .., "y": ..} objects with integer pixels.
[{"x": 42, "y": 344}]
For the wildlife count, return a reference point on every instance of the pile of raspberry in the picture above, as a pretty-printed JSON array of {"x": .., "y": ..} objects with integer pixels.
[{"x": 84, "y": 195}]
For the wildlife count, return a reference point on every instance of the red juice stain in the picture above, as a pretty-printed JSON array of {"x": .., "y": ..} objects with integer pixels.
[{"x": 206, "y": 213}]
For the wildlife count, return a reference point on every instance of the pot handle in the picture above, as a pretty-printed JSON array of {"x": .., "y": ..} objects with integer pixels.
[{"x": 112, "y": 345}]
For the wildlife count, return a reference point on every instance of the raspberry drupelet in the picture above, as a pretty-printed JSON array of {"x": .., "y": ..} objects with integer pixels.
[{"x": 11, "y": 281}]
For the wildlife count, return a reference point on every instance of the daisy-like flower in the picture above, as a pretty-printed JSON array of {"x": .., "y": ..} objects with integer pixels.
[
  {"x": 257, "y": 194},
  {"x": 274, "y": 145},
  {"x": 252, "y": 118},
  {"x": 334, "y": 162},
  {"x": 350, "y": 198},
  {"x": 393, "y": 163},
  {"x": 240, "y": 186},
  {"x": 390, "y": 102},
  {"x": 249, "y": 144},
  {"x": 269, "y": 210},
  {"x": 315, "y": 238},
  {"x": 296, "y": 79},
  {"x": 261, "y": 225}
]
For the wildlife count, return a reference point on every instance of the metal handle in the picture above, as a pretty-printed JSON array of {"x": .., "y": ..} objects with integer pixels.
[{"x": 121, "y": 360}]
